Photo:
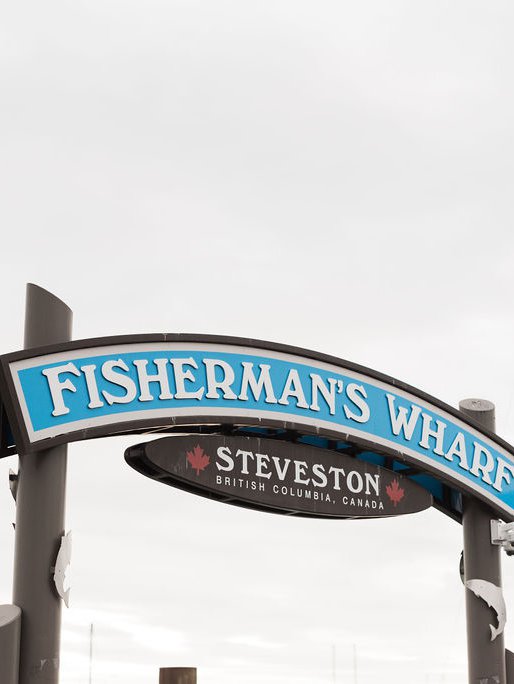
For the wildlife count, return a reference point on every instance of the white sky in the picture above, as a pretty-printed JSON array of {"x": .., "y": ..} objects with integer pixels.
[{"x": 331, "y": 175}]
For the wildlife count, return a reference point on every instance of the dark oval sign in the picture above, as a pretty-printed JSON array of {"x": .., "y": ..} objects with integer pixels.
[{"x": 280, "y": 477}]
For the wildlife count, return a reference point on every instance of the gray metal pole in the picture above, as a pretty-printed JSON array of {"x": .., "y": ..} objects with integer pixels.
[
  {"x": 10, "y": 620},
  {"x": 486, "y": 658},
  {"x": 40, "y": 504},
  {"x": 177, "y": 675}
]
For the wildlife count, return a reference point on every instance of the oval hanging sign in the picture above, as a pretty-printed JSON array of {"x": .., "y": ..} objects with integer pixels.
[{"x": 281, "y": 477}]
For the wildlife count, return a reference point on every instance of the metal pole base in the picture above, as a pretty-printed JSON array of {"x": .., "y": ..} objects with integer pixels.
[{"x": 10, "y": 624}]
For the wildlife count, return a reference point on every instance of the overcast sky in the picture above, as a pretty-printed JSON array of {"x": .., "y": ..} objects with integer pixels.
[{"x": 332, "y": 175}]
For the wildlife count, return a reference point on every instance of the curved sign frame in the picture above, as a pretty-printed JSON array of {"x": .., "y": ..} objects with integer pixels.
[{"x": 119, "y": 385}]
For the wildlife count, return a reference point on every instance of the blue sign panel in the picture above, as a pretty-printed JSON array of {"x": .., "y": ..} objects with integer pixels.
[{"x": 78, "y": 393}]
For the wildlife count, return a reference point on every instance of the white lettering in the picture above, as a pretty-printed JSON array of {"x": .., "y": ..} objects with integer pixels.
[
  {"x": 503, "y": 473},
  {"x": 299, "y": 469},
  {"x": 319, "y": 470},
  {"x": 57, "y": 387},
  {"x": 293, "y": 388},
  {"x": 249, "y": 381},
  {"x": 373, "y": 482},
  {"x": 281, "y": 472},
  {"x": 224, "y": 453},
  {"x": 244, "y": 457},
  {"x": 181, "y": 376},
  {"x": 437, "y": 434},
  {"x": 262, "y": 463},
  {"x": 145, "y": 379},
  {"x": 92, "y": 387},
  {"x": 458, "y": 448},
  {"x": 328, "y": 393},
  {"x": 120, "y": 380},
  {"x": 337, "y": 472},
  {"x": 224, "y": 384},
  {"x": 357, "y": 394},
  {"x": 400, "y": 422},
  {"x": 354, "y": 477},
  {"x": 479, "y": 467}
]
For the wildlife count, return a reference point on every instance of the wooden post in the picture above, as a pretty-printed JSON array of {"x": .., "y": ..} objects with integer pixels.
[{"x": 177, "y": 675}]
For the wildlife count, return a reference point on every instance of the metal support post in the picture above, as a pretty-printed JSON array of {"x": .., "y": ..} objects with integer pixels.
[
  {"x": 40, "y": 504},
  {"x": 177, "y": 675},
  {"x": 486, "y": 657}
]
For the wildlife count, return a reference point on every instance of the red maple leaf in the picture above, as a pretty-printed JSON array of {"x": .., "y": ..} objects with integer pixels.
[
  {"x": 198, "y": 459},
  {"x": 395, "y": 492}
]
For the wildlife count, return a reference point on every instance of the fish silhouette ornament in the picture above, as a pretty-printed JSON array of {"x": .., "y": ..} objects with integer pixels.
[
  {"x": 493, "y": 596},
  {"x": 61, "y": 564}
]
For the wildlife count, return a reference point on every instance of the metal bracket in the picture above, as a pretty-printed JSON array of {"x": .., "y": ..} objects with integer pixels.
[
  {"x": 13, "y": 483},
  {"x": 502, "y": 534}
]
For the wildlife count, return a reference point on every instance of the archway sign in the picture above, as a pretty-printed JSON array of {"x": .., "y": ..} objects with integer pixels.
[
  {"x": 151, "y": 383},
  {"x": 267, "y": 426}
]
